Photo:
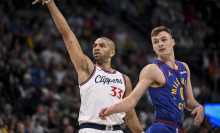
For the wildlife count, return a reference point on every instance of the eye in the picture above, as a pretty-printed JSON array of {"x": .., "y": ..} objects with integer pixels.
[
  {"x": 164, "y": 40},
  {"x": 155, "y": 42},
  {"x": 94, "y": 45}
]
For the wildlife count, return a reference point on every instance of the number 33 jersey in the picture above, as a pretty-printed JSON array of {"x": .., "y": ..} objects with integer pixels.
[{"x": 100, "y": 90}]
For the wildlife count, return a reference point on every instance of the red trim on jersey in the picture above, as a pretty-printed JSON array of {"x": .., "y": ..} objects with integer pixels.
[
  {"x": 89, "y": 77},
  {"x": 169, "y": 66},
  {"x": 168, "y": 123},
  {"x": 109, "y": 72},
  {"x": 124, "y": 79},
  {"x": 182, "y": 65},
  {"x": 159, "y": 88}
]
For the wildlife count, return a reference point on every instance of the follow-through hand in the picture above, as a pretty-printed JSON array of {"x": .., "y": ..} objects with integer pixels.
[{"x": 107, "y": 111}]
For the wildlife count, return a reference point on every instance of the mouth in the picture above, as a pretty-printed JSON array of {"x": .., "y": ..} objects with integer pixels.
[
  {"x": 162, "y": 50},
  {"x": 96, "y": 54}
]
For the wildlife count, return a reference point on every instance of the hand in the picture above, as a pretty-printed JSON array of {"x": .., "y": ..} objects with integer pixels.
[
  {"x": 43, "y": 1},
  {"x": 199, "y": 111},
  {"x": 107, "y": 111}
]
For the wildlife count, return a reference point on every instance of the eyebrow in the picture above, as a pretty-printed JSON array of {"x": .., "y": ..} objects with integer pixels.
[
  {"x": 161, "y": 37},
  {"x": 99, "y": 43}
]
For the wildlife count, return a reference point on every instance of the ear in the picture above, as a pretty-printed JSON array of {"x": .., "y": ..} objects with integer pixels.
[
  {"x": 173, "y": 42},
  {"x": 112, "y": 53}
]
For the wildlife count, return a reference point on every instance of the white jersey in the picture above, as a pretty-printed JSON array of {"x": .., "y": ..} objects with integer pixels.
[{"x": 101, "y": 89}]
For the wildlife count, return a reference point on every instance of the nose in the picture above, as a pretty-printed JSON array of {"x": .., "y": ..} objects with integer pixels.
[
  {"x": 161, "y": 44},
  {"x": 97, "y": 48}
]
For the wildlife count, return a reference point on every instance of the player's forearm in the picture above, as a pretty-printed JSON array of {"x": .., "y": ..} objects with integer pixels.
[
  {"x": 58, "y": 18},
  {"x": 191, "y": 104},
  {"x": 125, "y": 105}
]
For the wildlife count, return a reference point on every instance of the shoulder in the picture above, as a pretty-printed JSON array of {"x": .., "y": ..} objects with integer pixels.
[
  {"x": 151, "y": 68},
  {"x": 151, "y": 71},
  {"x": 185, "y": 65},
  {"x": 127, "y": 78}
]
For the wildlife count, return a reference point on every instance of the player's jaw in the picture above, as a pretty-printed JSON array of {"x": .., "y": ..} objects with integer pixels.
[{"x": 97, "y": 56}]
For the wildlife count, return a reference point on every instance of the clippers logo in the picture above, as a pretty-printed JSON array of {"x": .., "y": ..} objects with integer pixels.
[{"x": 104, "y": 79}]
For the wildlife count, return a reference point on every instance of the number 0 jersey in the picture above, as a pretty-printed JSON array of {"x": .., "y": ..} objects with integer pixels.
[
  {"x": 101, "y": 89},
  {"x": 169, "y": 99}
]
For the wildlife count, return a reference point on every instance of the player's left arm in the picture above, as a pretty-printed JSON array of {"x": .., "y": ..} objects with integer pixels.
[
  {"x": 131, "y": 117},
  {"x": 191, "y": 103}
]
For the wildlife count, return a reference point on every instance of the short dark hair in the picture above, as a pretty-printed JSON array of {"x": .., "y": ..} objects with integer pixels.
[
  {"x": 157, "y": 30},
  {"x": 110, "y": 43}
]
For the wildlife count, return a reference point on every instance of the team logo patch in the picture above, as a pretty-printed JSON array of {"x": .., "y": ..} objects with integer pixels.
[
  {"x": 170, "y": 74},
  {"x": 182, "y": 72}
]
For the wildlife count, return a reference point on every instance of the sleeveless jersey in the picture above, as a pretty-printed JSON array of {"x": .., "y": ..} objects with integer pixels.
[
  {"x": 169, "y": 99},
  {"x": 101, "y": 89}
]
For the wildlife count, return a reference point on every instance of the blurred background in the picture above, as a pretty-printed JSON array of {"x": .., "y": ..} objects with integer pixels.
[{"x": 39, "y": 91}]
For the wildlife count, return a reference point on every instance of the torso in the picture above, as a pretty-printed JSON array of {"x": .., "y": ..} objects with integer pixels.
[
  {"x": 168, "y": 92},
  {"x": 100, "y": 90}
]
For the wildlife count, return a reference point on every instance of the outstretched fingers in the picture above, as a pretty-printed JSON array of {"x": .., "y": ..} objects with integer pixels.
[
  {"x": 35, "y": 2},
  {"x": 199, "y": 115}
]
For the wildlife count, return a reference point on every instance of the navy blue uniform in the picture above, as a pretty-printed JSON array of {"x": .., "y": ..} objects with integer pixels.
[{"x": 169, "y": 99}]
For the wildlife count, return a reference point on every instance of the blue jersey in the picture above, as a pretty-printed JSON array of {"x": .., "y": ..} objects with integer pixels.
[{"x": 169, "y": 99}]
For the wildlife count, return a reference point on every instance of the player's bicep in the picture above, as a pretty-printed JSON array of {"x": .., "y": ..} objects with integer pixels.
[
  {"x": 188, "y": 92},
  {"x": 145, "y": 80},
  {"x": 79, "y": 59}
]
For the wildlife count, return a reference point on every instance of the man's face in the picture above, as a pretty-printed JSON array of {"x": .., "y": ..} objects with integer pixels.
[
  {"x": 101, "y": 50},
  {"x": 163, "y": 43}
]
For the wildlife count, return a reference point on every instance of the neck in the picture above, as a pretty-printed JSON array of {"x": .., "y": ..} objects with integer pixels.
[
  {"x": 169, "y": 60},
  {"x": 105, "y": 66}
]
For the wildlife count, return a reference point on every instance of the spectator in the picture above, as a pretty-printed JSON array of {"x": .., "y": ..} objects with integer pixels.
[
  {"x": 214, "y": 71},
  {"x": 40, "y": 114},
  {"x": 7, "y": 115},
  {"x": 36, "y": 126},
  {"x": 20, "y": 128},
  {"x": 3, "y": 128},
  {"x": 204, "y": 97}
]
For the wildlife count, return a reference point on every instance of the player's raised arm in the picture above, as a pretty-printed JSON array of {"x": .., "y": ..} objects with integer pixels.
[
  {"x": 131, "y": 117},
  {"x": 146, "y": 78},
  {"x": 79, "y": 60},
  {"x": 191, "y": 103}
]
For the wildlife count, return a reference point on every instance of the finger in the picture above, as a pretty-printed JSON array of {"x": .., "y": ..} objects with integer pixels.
[
  {"x": 194, "y": 111},
  {"x": 198, "y": 122},
  {"x": 197, "y": 117},
  {"x": 106, "y": 112},
  {"x": 101, "y": 113},
  {"x": 101, "y": 117},
  {"x": 35, "y": 2}
]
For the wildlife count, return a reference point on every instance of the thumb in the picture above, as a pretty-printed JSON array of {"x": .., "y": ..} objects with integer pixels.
[
  {"x": 194, "y": 112},
  {"x": 106, "y": 111}
]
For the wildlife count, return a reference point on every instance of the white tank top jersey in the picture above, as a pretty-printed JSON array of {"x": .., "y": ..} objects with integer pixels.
[{"x": 101, "y": 89}]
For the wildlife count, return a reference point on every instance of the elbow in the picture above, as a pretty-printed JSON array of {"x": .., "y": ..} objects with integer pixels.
[{"x": 64, "y": 31}]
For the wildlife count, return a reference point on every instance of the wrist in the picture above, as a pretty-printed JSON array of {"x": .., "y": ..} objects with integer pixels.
[
  {"x": 113, "y": 108},
  {"x": 47, "y": 1}
]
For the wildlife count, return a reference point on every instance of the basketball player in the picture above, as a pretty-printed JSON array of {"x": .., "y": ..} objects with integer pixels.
[
  {"x": 100, "y": 85},
  {"x": 169, "y": 85}
]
